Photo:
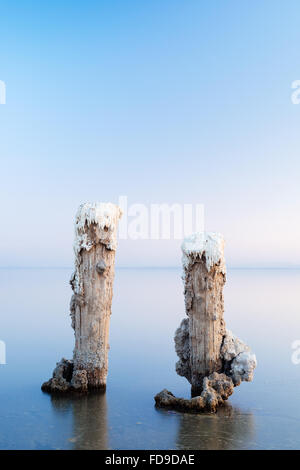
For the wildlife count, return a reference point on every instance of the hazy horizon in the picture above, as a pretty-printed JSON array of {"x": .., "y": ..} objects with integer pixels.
[{"x": 159, "y": 267}]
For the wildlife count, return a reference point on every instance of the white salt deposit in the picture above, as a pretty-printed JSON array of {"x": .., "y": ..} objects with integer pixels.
[
  {"x": 243, "y": 361},
  {"x": 242, "y": 367},
  {"x": 104, "y": 215},
  {"x": 232, "y": 346},
  {"x": 209, "y": 244}
]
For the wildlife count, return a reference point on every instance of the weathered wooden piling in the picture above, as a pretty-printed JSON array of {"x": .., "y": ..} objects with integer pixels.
[
  {"x": 210, "y": 357},
  {"x": 92, "y": 283},
  {"x": 204, "y": 279}
]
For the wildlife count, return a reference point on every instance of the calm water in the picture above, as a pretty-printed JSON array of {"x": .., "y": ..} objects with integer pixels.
[{"x": 262, "y": 307}]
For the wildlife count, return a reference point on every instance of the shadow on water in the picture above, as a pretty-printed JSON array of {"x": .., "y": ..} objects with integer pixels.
[
  {"x": 229, "y": 428},
  {"x": 89, "y": 416}
]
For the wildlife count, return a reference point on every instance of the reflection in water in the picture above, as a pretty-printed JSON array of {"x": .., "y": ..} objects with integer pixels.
[
  {"x": 229, "y": 428},
  {"x": 89, "y": 419}
]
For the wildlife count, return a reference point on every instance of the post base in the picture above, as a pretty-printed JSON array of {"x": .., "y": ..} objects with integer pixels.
[{"x": 66, "y": 379}]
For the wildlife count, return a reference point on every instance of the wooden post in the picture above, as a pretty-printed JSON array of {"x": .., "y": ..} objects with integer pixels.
[
  {"x": 212, "y": 358},
  {"x": 204, "y": 279},
  {"x": 95, "y": 244},
  {"x": 92, "y": 283}
]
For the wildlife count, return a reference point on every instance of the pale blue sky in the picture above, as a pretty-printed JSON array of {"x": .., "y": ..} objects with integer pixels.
[{"x": 162, "y": 101}]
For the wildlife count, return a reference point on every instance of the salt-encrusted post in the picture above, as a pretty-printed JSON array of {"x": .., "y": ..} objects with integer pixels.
[
  {"x": 92, "y": 283},
  {"x": 212, "y": 359},
  {"x": 95, "y": 244},
  {"x": 204, "y": 279}
]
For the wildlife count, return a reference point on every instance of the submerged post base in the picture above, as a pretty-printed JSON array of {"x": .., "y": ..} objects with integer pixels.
[
  {"x": 216, "y": 389},
  {"x": 65, "y": 380},
  {"x": 237, "y": 365}
]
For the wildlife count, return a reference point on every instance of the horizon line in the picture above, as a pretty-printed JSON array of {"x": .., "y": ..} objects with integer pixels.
[{"x": 153, "y": 267}]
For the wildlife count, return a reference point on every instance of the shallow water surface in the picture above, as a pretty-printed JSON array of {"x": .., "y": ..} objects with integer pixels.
[{"x": 261, "y": 307}]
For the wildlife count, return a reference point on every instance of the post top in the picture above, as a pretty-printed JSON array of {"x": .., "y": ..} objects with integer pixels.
[
  {"x": 210, "y": 244},
  {"x": 103, "y": 214}
]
